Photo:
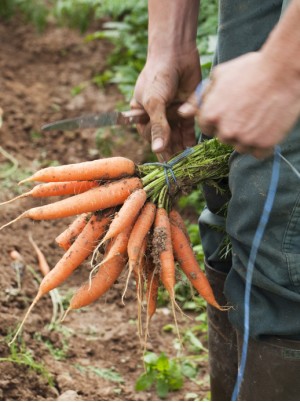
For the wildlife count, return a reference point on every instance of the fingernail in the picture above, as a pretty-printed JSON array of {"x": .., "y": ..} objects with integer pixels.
[
  {"x": 157, "y": 145},
  {"x": 185, "y": 108}
]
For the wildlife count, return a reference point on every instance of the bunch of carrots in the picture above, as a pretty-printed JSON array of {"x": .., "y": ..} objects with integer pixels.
[{"x": 124, "y": 213}]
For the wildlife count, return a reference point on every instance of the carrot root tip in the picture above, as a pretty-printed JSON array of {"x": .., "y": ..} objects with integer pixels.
[
  {"x": 14, "y": 199},
  {"x": 23, "y": 215},
  {"x": 36, "y": 299},
  {"x": 65, "y": 314},
  {"x": 25, "y": 180}
]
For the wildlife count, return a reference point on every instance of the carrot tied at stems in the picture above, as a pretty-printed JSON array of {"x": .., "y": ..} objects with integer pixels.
[
  {"x": 109, "y": 272},
  {"x": 143, "y": 203},
  {"x": 101, "y": 283},
  {"x": 164, "y": 258},
  {"x": 67, "y": 237},
  {"x": 152, "y": 276},
  {"x": 105, "y": 196},
  {"x": 118, "y": 246},
  {"x": 56, "y": 189},
  {"x": 162, "y": 247},
  {"x": 140, "y": 229},
  {"x": 126, "y": 216},
  {"x": 152, "y": 279},
  {"x": 185, "y": 256},
  {"x": 100, "y": 169}
]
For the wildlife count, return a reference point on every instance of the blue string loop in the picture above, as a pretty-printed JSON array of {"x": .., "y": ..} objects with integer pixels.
[
  {"x": 250, "y": 266},
  {"x": 199, "y": 92},
  {"x": 168, "y": 166}
]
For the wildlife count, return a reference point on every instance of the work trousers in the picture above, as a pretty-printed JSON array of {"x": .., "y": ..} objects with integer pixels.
[{"x": 244, "y": 26}]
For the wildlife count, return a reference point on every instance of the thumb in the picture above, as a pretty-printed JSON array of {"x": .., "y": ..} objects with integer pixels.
[
  {"x": 189, "y": 108},
  {"x": 192, "y": 105},
  {"x": 160, "y": 129}
]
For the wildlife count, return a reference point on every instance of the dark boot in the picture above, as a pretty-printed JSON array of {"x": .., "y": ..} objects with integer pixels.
[
  {"x": 222, "y": 342},
  {"x": 272, "y": 370}
]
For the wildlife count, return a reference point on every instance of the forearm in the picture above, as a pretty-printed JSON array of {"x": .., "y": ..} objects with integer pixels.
[
  {"x": 172, "y": 26},
  {"x": 283, "y": 46}
]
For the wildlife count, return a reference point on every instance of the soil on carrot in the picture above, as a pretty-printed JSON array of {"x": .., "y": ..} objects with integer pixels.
[{"x": 95, "y": 353}]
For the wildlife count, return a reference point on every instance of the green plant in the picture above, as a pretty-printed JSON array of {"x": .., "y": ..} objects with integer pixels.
[
  {"x": 162, "y": 372},
  {"x": 75, "y": 14},
  {"x": 35, "y": 11},
  {"x": 19, "y": 354},
  {"x": 166, "y": 374},
  {"x": 129, "y": 37}
]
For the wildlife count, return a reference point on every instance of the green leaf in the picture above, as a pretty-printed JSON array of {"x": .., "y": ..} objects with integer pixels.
[
  {"x": 168, "y": 328},
  {"x": 188, "y": 370},
  {"x": 150, "y": 358},
  {"x": 196, "y": 343},
  {"x": 175, "y": 376},
  {"x": 144, "y": 381},
  {"x": 162, "y": 363},
  {"x": 162, "y": 388},
  {"x": 190, "y": 305}
]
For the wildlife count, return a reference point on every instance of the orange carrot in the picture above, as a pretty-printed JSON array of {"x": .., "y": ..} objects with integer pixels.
[
  {"x": 152, "y": 288},
  {"x": 101, "y": 282},
  {"x": 138, "y": 272},
  {"x": 185, "y": 256},
  {"x": 127, "y": 213},
  {"x": 98, "y": 198},
  {"x": 139, "y": 268},
  {"x": 176, "y": 218},
  {"x": 152, "y": 278},
  {"x": 163, "y": 246},
  {"x": 43, "y": 264},
  {"x": 163, "y": 252},
  {"x": 139, "y": 232},
  {"x": 100, "y": 169},
  {"x": 77, "y": 253},
  {"x": 67, "y": 237},
  {"x": 56, "y": 189},
  {"x": 118, "y": 246}
]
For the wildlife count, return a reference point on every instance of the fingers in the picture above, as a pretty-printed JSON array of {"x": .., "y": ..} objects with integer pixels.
[
  {"x": 160, "y": 129},
  {"x": 189, "y": 108}
]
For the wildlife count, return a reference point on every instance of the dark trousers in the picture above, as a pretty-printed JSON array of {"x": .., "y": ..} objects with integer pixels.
[{"x": 274, "y": 349}]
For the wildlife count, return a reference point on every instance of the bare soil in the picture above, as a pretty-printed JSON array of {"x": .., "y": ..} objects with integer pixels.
[{"x": 38, "y": 74}]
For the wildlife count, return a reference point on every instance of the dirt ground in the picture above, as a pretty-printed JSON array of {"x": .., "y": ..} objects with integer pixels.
[{"x": 38, "y": 74}]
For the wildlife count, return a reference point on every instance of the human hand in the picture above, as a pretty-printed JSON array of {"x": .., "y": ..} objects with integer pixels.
[
  {"x": 249, "y": 103},
  {"x": 164, "y": 84}
]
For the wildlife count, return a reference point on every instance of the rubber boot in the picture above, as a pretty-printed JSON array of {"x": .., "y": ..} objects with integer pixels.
[
  {"x": 272, "y": 370},
  {"x": 222, "y": 342}
]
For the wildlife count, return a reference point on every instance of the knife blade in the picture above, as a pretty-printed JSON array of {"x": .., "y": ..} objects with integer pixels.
[{"x": 105, "y": 119}]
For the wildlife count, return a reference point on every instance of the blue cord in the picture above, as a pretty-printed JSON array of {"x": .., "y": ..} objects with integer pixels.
[
  {"x": 199, "y": 92},
  {"x": 250, "y": 267},
  {"x": 168, "y": 166}
]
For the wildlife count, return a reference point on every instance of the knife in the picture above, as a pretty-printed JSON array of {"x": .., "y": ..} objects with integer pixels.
[{"x": 105, "y": 119}]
